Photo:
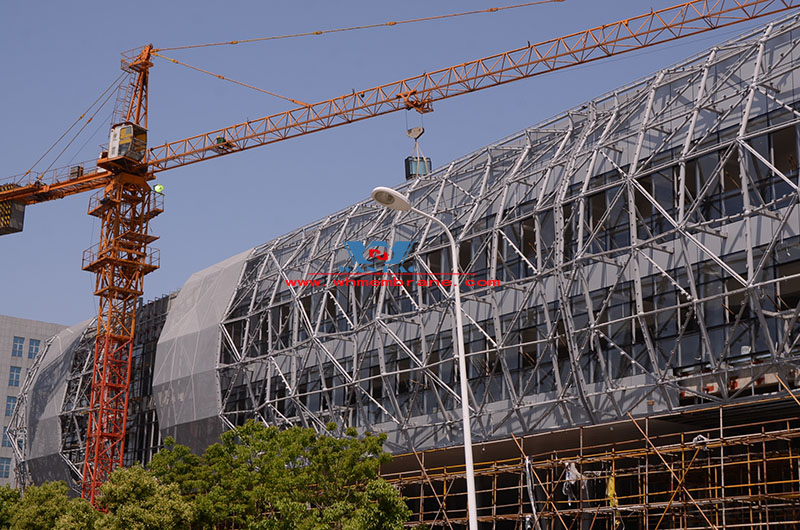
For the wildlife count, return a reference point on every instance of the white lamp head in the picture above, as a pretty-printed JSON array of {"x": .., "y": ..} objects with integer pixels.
[{"x": 391, "y": 199}]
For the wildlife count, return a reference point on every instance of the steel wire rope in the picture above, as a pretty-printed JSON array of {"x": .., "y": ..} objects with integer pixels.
[
  {"x": 93, "y": 135},
  {"x": 75, "y": 137},
  {"x": 304, "y": 104},
  {"x": 79, "y": 118},
  {"x": 355, "y": 28},
  {"x": 223, "y": 78},
  {"x": 314, "y": 33}
]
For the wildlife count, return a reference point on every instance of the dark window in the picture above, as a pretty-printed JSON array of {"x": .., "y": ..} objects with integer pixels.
[
  {"x": 784, "y": 150},
  {"x": 404, "y": 375},
  {"x": 789, "y": 296}
]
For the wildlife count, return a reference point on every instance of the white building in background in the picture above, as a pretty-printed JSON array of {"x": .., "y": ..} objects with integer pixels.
[{"x": 21, "y": 341}]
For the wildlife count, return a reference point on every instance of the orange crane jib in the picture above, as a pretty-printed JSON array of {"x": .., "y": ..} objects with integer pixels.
[
  {"x": 125, "y": 203},
  {"x": 420, "y": 92}
]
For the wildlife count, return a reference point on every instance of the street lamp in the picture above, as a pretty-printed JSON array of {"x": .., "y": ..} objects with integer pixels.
[{"x": 397, "y": 201}]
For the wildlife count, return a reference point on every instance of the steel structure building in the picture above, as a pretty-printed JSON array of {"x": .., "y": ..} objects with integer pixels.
[
  {"x": 646, "y": 246},
  {"x": 49, "y": 423},
  {"x": 634, "y": 257}
]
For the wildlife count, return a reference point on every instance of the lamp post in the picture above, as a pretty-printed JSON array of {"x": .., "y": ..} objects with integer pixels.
[{"x": 397, "y": 201}]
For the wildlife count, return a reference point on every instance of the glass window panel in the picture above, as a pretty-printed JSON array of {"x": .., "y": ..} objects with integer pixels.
[
  {"x": 16, "y": 350},
  {"x": 33, "y": 348}
]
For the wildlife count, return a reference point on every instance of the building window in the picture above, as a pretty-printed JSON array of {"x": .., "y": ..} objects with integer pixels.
[
  {"x": 5, "y": 467},
  {"x": 19, "y": 343},
  {"x": 11, "y": 401},
  {"x": 13, "y": 376},
  {"x": 6, "y": 441},
  {"x": 33, "y": 348}
]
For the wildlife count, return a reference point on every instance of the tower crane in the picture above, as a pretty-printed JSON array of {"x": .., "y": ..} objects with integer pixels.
[{"x": 125, "y": 203}]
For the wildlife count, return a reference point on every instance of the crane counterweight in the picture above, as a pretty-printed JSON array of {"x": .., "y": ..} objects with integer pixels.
[{"x": 12, "y": 213}]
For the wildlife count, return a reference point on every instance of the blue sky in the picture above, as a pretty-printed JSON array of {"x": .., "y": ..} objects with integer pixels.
[{"x": 59, "y": 56}]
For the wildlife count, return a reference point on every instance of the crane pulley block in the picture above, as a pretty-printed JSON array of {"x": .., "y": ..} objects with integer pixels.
[{"x": 12, "y": 213}]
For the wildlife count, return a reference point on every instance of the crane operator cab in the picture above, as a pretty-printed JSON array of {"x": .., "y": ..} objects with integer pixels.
[{"x": 127, "y": 145}]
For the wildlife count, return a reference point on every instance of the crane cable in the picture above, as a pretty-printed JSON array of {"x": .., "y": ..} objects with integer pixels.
[
  {"x": 354, "y": 28},
  {"x": 222, "y": 77},
  {"x": 75, "y": 137},
  {"x": 78, "y": 119},
  {"x": 155, "y": 51},
  {"x": 274, "y": 37}
]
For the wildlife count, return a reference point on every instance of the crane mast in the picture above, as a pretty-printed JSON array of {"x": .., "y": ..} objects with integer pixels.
[
  {"x": 125, "y": 204},
  {"x": 119, "y": 262}
]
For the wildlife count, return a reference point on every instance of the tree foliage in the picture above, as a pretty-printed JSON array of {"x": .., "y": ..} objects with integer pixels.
[
  {"x": 9, "y": 499},
  {"x": 134, "y": 499},
  {"x": 47, "y": 507},
  {"x": 80, "y": 515},
  {"x": 267, "y": 478},
  {"x": 256, "y": 478}
]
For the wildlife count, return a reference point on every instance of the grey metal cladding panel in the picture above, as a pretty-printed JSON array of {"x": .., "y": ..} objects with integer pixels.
[
  {"x": 49, "y": 468},
  {"x": 196, "y": 435},
  {"x": 184, "y": 384},
  {"x": 47, "y": 393}
]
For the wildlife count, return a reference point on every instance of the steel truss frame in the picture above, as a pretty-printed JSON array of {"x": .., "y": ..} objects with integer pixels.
[
  {"x": 644, "y": 242},
  {"x": 142, "y": 433},
  {"x": 17, "y": 431},
  {"x": 73, "y": 411},
  {"x": 662, "y": 188}
]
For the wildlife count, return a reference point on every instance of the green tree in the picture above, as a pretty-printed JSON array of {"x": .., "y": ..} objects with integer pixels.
[
  {"x": 135, "y": 500},
  {"x": 177, "y": 464},
  {"x": 9, "y": 499},
  {"x": 40, "y": 507},
  {"x": 265, "y": 478},
  {"x": 257, "y": 478},
  {"x": 80, "y": 515},
  {"x": 48, "y": 507}
]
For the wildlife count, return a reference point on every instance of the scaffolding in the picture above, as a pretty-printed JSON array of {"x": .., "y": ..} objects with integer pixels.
[{"x": 722, "y": 467}]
